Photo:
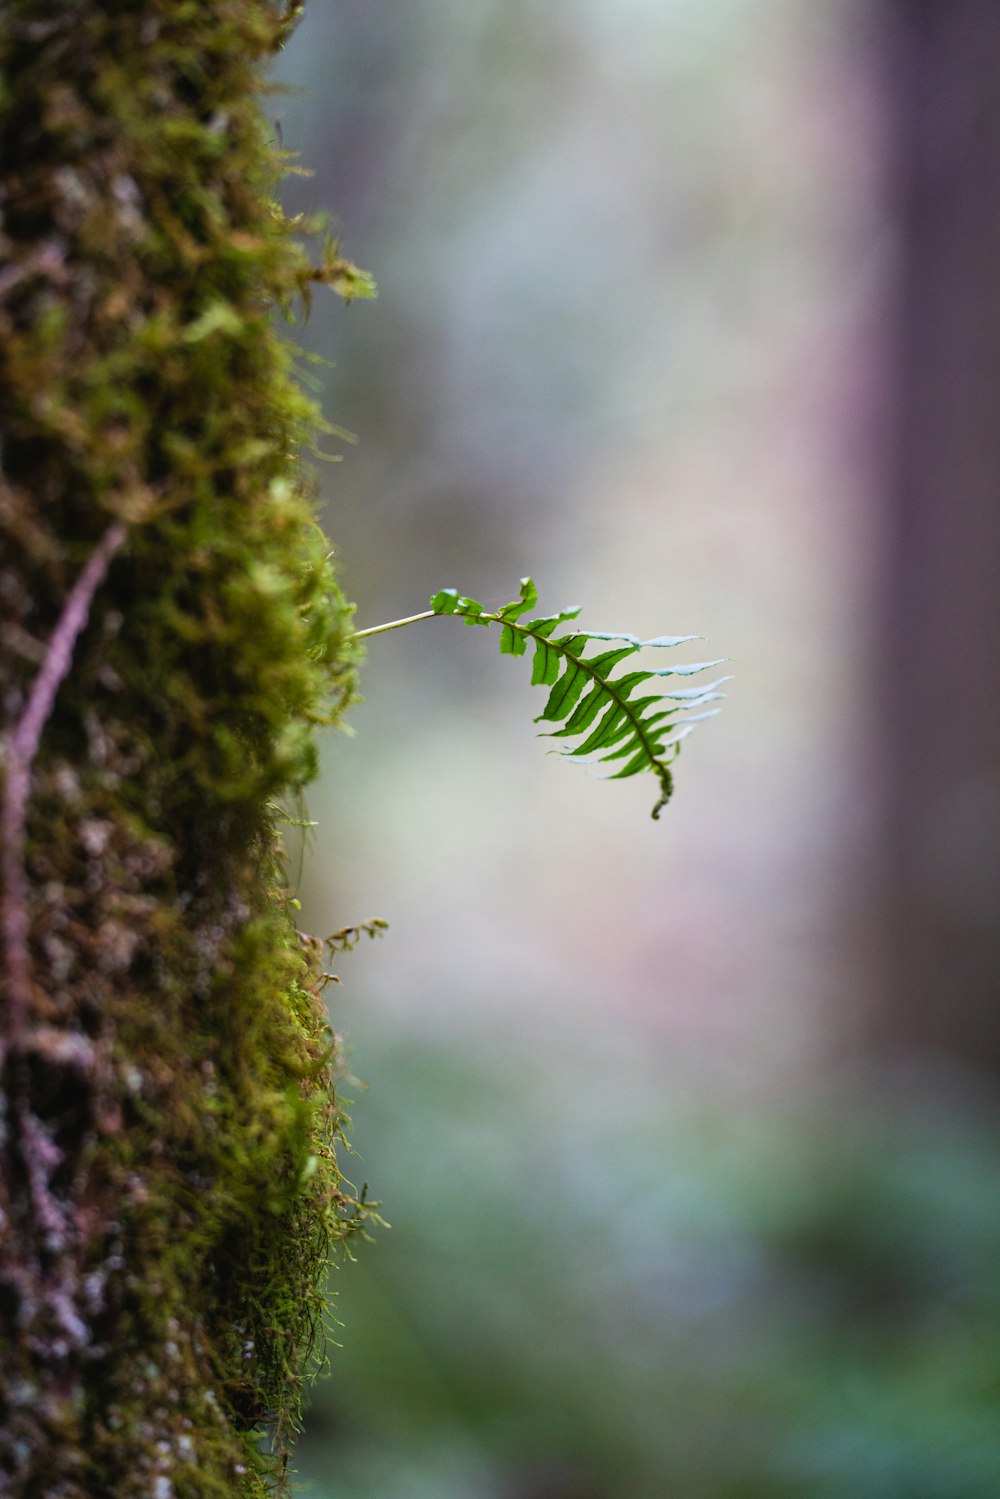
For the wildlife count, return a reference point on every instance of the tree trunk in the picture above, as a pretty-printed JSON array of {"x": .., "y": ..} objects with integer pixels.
[
  {"x": 169, "y": 633},
  {"x": 941, "y": 704}
]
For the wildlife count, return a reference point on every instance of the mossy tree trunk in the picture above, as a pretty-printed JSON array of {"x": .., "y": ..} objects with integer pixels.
[{"x": 170, "y": 635}]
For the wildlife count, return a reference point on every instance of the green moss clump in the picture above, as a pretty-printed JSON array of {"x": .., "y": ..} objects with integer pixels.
[{"x": 171, "y": 1190}]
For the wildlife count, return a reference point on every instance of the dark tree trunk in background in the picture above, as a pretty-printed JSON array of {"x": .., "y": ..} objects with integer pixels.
[{"x": 940, "y": 702}]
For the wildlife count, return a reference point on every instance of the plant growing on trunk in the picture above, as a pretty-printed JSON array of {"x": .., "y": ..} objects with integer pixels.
[{"x": 598, "y": 709}]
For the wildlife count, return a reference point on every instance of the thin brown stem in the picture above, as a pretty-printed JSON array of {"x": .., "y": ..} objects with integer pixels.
[{"x": 20, "y": 749}]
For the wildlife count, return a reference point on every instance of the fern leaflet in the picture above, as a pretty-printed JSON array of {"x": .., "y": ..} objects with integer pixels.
[{"x": 607, "y": 715}]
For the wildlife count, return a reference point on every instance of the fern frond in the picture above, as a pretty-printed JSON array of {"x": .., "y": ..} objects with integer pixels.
[{"x": 607, "y": 715}]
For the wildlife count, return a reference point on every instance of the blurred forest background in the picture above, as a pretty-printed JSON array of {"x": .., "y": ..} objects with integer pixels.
[{"x": 686, "y": 1130}]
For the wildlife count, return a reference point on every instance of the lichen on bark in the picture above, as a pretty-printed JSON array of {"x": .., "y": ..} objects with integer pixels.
[{"x": 170, "y": 1193}]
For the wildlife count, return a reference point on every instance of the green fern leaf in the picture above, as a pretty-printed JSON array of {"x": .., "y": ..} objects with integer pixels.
[{"x": 593, "y": 706}]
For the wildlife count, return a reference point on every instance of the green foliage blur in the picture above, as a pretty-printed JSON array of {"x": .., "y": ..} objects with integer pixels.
[{"x": 587, "y": 1295}]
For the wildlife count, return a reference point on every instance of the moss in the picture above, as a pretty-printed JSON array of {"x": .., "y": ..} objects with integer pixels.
[{"x": 172, "y": 1195}]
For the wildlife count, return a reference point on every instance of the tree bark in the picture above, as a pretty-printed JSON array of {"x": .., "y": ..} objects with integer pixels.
[{"x": 170, "y": 633}]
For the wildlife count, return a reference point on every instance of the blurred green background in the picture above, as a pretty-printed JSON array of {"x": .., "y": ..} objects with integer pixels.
[{"x": 664, "y": 1222}]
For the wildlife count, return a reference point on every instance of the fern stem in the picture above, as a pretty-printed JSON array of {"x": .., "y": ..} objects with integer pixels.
[{"x": 395, "y": 624}]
